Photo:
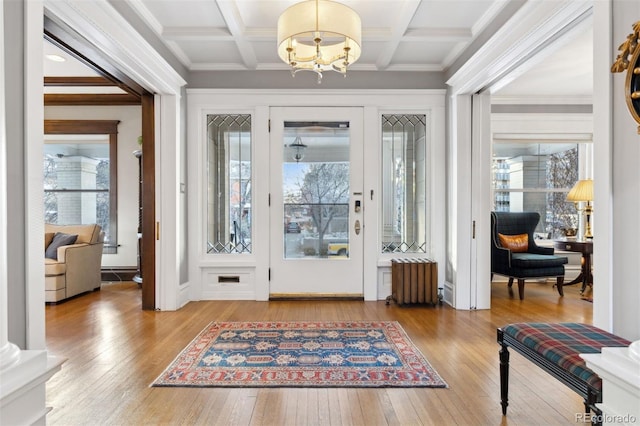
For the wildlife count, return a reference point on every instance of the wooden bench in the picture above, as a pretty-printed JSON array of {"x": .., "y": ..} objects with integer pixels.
[{"x": 556, "y": 348}]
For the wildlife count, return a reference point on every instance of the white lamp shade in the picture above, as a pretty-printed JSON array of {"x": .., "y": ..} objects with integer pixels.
[{"x": 335, "y": 22}]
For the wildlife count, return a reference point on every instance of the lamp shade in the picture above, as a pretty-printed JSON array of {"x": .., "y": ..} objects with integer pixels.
[
  {"x": 319, "y": 35},
  {"x": 581, "y": 191}
]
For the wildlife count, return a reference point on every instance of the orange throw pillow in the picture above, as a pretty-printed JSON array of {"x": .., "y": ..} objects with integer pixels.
[{"x": 516, "y": 243}]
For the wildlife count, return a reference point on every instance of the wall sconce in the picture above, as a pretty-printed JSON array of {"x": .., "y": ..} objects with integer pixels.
[{"x": 583, "y": 191}]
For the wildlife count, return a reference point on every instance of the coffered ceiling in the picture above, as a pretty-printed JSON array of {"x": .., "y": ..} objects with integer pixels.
[
  {"x": 397, "y": 35},
  {"x": 414, "y": 35}
]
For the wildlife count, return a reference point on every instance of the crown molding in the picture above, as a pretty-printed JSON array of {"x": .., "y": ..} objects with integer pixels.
[
  {"x": 534, "y": 26},
  {"x": 99, "y": 23}
]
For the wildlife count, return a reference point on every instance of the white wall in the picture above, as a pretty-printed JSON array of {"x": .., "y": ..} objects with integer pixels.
[
  {"x": 129, "y": 128},
  {"x": 617, "y": 181}
]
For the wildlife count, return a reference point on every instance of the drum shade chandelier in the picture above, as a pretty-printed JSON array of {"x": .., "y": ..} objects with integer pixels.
[{"x": 318, "y": 36}]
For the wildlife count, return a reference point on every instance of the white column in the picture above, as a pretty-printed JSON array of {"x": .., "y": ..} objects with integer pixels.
[
  {"x": 9, "y": 353},
  {"x": 619, "y": 369},
  {"x": 23, "y": 373}
]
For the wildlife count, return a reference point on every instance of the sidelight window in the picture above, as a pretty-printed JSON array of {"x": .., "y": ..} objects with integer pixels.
[
  {"x": 404, "y": 183},
  {"x": 229, "y": 183}
]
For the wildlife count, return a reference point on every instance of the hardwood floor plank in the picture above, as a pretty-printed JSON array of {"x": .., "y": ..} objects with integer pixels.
[{"x": 114, "y": 351}]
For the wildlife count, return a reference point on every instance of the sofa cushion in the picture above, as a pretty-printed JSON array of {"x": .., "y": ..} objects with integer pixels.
[
  {"x": 53, "y": 268},
  {"x": 531, "y": 260},
  {"x": 89, "y": 234},
  {"x": 59, "y": 239},
  {"x": 48, "y": 237}
]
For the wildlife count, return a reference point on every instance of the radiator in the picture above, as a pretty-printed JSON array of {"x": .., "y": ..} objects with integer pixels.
[{"x": 414, "y": 281}]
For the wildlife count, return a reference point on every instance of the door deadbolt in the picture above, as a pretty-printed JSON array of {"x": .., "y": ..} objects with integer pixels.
[
  {"x": 357, "y": 207},
  {"x": 357, "y": 227}
]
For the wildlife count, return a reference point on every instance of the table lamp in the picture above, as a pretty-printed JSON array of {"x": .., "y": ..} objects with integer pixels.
[{"x": 583, "y": 191}]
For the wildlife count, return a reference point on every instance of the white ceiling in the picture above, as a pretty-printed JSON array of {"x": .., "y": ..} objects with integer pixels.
[
  {"x": 414, "y": 35},
  {"x": 398, "y": 35}
]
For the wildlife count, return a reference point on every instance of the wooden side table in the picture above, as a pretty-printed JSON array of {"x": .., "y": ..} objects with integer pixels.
[{"x": 586, "y": 249}]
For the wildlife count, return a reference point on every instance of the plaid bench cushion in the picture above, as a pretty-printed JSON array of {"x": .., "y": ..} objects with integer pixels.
[{"x": 562, "y": 344}]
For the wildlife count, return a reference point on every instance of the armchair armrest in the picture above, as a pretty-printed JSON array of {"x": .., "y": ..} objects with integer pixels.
[{"x": 500, "y": 258}]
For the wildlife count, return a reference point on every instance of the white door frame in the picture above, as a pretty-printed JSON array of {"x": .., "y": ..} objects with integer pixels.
[
  {"x": 103, "y": 26},
  {"x": 533, "y": 27},
  {"x": 331, "y": 275}
]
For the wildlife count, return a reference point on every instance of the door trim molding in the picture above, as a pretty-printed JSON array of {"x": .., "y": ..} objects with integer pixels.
[{"x": 258, "y": 102}]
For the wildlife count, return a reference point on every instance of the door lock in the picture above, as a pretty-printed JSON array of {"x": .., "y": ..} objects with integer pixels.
[
  {"x": 357, "y": 227},
  {"x": 357, "y": 207}
]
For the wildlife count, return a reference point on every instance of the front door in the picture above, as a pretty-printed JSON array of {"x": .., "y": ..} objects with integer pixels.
[{"x": 316, "y": 187}]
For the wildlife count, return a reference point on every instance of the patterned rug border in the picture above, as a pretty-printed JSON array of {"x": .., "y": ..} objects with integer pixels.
[{"x": 417, "y": 359}]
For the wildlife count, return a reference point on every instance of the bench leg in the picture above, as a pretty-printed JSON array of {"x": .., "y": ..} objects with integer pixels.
[
  {"x": 521, "y": 288},
  {"x": 590, "y": 404},
  {"x": 510, "y": 282},
  {"x": 559, "y": 284},
  {"x": 504, "y": 378}
]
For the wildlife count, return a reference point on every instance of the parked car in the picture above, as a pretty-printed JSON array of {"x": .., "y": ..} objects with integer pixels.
[
  {"x": 292, "y": 228},
  {"x": 338, "y": 249}
]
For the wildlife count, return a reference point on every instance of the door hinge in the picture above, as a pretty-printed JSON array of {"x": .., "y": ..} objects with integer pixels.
[
  {"x": 269, "y": 274},
  {"x": 269, "y": 125},
  {"x": 269, "y": 200},
  {"x": 473, "y": 235}
]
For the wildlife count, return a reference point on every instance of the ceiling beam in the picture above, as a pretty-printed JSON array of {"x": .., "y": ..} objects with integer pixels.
[
  {"x": 408, "y": 10},
  {"x": 196, "y": 34},
  {"x": 438, "y": 34},
  {"x": 231, "y": 15}
]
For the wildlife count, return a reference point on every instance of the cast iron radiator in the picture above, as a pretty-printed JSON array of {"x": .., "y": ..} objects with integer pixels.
[{"x": 414, "y": 281}]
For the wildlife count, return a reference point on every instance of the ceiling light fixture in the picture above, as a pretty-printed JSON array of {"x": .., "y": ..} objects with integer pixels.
[
  {"x": 319, "y": 35},
  {"x": 298, "y": 149}
]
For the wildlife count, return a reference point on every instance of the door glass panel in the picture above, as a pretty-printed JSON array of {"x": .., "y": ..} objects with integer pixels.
[
  {"x": 404, "y": 184},
  {"x": 315, "y": 177},
  {"x": 229, "y": 183}
]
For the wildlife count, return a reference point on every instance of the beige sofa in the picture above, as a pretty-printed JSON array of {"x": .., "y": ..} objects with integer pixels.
[{"x": 77, "y": 267}]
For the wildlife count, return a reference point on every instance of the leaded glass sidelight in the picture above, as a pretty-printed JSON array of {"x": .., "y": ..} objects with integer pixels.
[
  {"x": 229, "y": 183},
  {"x": 404, "y": 185}
]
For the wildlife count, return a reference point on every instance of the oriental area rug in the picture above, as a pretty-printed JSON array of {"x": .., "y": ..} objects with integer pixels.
[{"x": 301, "y": 354}]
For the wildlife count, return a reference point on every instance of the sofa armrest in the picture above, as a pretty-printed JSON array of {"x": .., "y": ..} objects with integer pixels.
[
  {"x": 62, "y": 250},
  {"x": 83, "y": 264}
]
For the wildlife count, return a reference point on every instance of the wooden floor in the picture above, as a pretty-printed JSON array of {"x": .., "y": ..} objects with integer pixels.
[{"x": 114, "y": 350}]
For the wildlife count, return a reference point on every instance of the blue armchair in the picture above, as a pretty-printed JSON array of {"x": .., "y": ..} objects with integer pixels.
[{"x": 526, "y": 260}]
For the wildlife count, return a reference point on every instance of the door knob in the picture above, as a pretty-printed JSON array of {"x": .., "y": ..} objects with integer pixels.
[{"x": 357, "y": 227}]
